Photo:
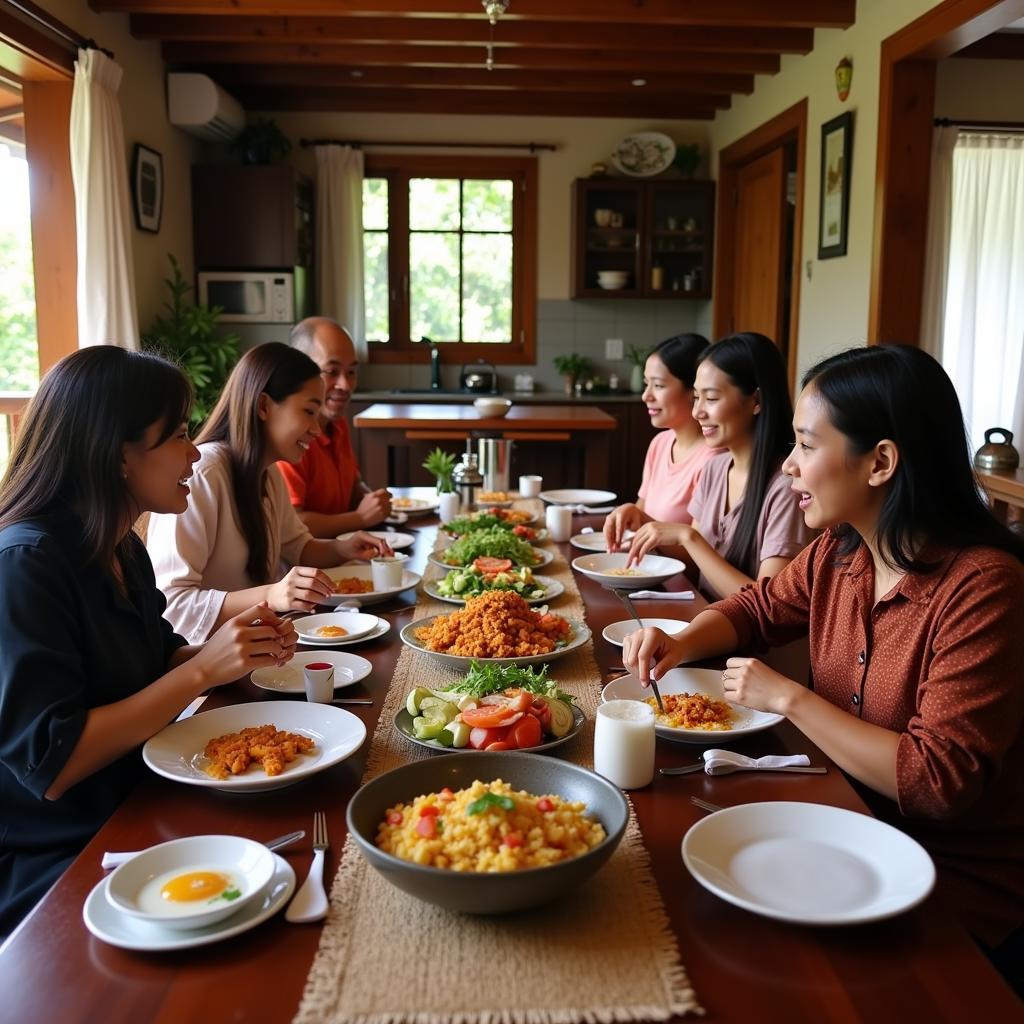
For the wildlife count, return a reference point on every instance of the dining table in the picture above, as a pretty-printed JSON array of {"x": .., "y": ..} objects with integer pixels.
[{"x": 745, "y": 968}]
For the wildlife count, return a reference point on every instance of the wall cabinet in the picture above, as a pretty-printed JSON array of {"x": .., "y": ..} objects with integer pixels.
[{"x": 642, "y": 239}]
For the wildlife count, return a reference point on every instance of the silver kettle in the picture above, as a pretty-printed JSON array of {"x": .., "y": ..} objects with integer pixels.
[{"x": 998, "y": 456}]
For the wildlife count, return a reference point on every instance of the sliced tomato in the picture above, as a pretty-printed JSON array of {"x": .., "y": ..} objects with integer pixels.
[
  {"x": 512, "y": 840},
  {"x": 480, "y": 738},
  {"x": 427, "y": 827},
  {"x": 499, "y": 745},
  {"x": 544, "y": 805},
  {"x": 395, "y": 818},
  {"x": 429, "y": 811},
  {"x": 490, "y": 716},
  {"x": 526, "y": 732},
  {"x": 491, "y": 566},
  {"x": 525, "y": 532},
  {"x": 542, "y": 712}
]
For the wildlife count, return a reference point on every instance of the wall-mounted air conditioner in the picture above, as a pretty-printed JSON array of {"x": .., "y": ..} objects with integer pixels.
[{"x": 199, "y": 106}]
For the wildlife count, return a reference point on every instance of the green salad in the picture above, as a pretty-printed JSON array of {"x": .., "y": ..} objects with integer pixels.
[
  {"x": 494, "y": 542},
  {"x": 472, "y": 582},
  {"x": 478, "y": 521}
]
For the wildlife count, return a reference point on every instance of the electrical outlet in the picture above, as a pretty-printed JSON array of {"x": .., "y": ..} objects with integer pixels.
[{"x": 613, "y": 348}]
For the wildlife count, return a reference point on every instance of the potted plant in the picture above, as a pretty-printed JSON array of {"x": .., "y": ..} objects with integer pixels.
[
  {"x": 571, "y": 367},
  {"x": 687, "y": 158},
  {"x": 441, "y": 464},
  {"x": 262, "y": 142},
  {"x": 638, "y": 359},
  {"x": 188, "y": 336}
]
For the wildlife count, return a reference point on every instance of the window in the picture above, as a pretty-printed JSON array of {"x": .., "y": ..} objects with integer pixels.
[{"x": 449, "y": 246}]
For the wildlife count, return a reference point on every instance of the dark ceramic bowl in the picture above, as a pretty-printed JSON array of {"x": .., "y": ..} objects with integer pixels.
[{"x": 483, "y": 892}]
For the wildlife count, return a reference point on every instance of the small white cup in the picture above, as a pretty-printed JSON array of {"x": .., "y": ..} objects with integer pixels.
[
  {"x": 559, "y": 522},
  {"x": 387, "y": 571},
  {"x": 319, "y": 679},
  {"x": 624, "y": 743},
  {"x": 529, "y": 486},
  {"x": 448, "y": 506}
]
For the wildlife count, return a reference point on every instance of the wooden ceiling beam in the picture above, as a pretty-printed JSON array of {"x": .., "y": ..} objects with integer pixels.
[
  {"x": 765, "y": 13},
  {"x": 998, "y": 46},
  {"x": 639, "y": 35},
  {"x": 451, "y": 101}
]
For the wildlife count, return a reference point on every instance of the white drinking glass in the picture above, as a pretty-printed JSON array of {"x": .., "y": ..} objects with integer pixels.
[
  {"x": 387, "y": 571},
  {"x": 448, "y": 506},
  {"x": 319, "y": 680},
  {"x": 559, "y": 522},
  {"x": 624, "y": 743},
  {"x": 529, "y": 486}
]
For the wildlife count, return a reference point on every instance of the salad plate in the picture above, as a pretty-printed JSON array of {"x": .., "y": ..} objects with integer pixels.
[
  {"x": 552, "y": 589},
  {"x": 644, "y": 154},
  {"x": 543, "y": 558}
]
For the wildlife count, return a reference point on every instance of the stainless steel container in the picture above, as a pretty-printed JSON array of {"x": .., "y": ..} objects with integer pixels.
[
  {"x": 998, "y": 456},
  {"x": 494, "y": 456}
]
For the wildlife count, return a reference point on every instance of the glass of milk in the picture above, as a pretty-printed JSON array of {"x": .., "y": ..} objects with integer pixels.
[{"x": 624, "y": 743}]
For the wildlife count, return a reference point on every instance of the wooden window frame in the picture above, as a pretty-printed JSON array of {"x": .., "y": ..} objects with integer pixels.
[{"x": 398, "y": 169}]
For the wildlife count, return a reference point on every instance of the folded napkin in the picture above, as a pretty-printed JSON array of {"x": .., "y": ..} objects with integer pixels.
[
  {"x": 661, "y": 595},
  {"x": 722, "y": 761}
]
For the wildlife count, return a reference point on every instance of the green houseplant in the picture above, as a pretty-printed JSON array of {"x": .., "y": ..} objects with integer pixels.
[
  {"x": 262, "y": 142},
  {"x": 637, "y": 358},
  {"x": 442, "y": 465},
  {"x": 571, "y": 367},
  {"x": 188, "y": 336}
]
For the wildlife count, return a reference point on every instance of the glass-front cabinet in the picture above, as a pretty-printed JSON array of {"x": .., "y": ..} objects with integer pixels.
[{"x": 642, "y": 239}]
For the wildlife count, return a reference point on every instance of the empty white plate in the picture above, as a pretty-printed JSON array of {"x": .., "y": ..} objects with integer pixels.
[
  {"x": 355, "y": 624},
  {"x": 808, "y": 863},
  {"x": 618, "y": 631},
  {"x": 348, "y": 669},
  {"x": 577, "y": 496},
  {"x": 398, "y": 541},
  {"x": 610, "y": 570}
]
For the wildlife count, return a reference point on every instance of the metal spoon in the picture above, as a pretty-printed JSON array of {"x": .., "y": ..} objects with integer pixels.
[{"x": 624, "y": 598}]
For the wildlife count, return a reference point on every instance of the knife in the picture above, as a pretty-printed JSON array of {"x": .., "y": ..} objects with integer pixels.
[{"x": 623, "y": 596}]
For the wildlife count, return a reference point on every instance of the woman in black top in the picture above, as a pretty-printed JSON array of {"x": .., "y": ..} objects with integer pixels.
[{"x": 89, "y": 669}]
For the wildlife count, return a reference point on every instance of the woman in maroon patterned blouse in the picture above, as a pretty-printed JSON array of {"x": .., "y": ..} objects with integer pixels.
[{"x": 913, "y": 599}]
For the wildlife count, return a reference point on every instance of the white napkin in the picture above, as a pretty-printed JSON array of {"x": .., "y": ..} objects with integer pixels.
[
  {"x": 661, "y": 595},
  {"x": 587, "y": 529},
  {"x": 729, "y": 760}
]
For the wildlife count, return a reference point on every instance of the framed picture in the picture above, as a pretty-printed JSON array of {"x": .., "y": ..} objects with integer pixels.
[
  {"x": 147, "y": 187},
  {"x": 834, "y": 212}
]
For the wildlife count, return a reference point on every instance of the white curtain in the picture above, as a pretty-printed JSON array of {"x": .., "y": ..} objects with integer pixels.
[
  {"x": 339, "y": 239},
  {"x": 940, "y": 201},
  {"x": 106, "y": 275},
  {"x": 983, "y": 324}
]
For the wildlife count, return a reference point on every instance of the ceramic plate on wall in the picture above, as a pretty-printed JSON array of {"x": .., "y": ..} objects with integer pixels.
[{"x": 644, "y": 154}]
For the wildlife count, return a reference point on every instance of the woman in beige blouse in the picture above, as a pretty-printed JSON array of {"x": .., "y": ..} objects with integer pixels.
[{"x": 230, "y": 549}]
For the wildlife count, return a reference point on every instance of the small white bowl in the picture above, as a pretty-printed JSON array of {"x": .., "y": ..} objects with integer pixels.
[
  {"x": 612, "y": 275},
  {"x": 610, "y": 570},
  {"x": 134, "y": 887},
  {"x": 616, "y": 632},
  {"x": 491, "y": 408},
  {"x": 355, "y": 624}
]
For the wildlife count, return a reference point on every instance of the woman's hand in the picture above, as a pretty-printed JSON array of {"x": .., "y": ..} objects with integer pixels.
[
  {"x": 374, "y": 507},
  {"x": 753, "y": 684},
  {"x": 655, "y": 535},
  {"x": 625, "y": 517},
  {"x": 363, "y": 546},
  {"x": 255, "y": 638},
  {"x": 650, "y": 652},
  {"x": 301, "y": 590}
]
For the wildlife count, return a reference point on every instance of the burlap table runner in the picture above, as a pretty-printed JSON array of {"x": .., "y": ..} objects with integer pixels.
[{"x": 604, "y": 953}]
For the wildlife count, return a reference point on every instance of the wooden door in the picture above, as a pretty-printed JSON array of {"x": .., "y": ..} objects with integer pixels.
[{"x": 759, "y": 266}]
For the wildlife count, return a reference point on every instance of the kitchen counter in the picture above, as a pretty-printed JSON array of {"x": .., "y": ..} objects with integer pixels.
[{"x": 516, "y": 397}]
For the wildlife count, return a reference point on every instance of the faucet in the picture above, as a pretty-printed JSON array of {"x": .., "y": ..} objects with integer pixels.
[{"x": 435, "y": 363}]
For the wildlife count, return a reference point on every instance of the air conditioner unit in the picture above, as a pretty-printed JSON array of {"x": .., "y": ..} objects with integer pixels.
[{"x": 199, "y": 106}]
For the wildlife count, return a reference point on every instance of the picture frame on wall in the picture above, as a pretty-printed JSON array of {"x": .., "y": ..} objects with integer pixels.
[
  {"x": 834, "y": 208},
  {"x": 147, "y": 181}
]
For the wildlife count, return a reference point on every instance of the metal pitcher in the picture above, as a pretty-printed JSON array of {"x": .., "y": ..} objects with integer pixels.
[
  {"x": 999, "y": 456},
  {"x": 494, "y": 456}
]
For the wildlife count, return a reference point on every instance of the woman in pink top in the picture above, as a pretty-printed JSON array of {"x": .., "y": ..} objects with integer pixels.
[{"x": 677, "y": 454}]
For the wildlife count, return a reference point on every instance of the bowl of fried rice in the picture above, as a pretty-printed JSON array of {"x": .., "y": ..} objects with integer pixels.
[{"x": 488, "y": 832}]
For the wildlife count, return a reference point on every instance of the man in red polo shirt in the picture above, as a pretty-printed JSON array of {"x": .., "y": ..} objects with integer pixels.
[{"x": 325, "y": 487}]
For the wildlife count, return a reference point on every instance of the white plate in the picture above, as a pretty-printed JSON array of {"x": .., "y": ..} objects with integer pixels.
[
  {"x": 808, "y": 863},
  {"x": 581, "y": 634},
  {"x": 383, "y": 626},
  {"x": 618, "y": 631},
  {"x": 649, "y": 571},
  {"x": 356, "y": 624},
  {"x": 579, "y": 496},
  {"x": 397, "y": 519},
  {"x": 543, "y": 558},
  {"x": 413, "y": 506},
  {"x": 176, "y": 751},
  {"x": 363, "y": 572},
  {"x": 348, "y": 670},
  {"x": 552, "y": 589},
  {"x": 398, "y": 541},
  {"x": 692, "y": 680},
  {"x": 595, "y": 541},
  {"x": 644, "y": 154},
  {"x": 119, "y": 929}
]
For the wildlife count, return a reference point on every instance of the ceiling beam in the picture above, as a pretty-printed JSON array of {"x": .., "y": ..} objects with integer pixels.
[
  {"x": 795, "y": 13},
  {"x": 998, "y": 46},
  {"x": 571, "y": 35},
  {"x": 7, "y": 114}
]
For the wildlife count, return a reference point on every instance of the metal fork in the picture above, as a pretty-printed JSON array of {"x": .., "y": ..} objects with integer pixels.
[
  {"x": 624, "y": 598},
  {"x": 310, "y": 902},
  {"x": 705, "y": 805}
]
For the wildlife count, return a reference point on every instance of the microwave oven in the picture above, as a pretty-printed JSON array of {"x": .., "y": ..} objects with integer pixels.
[{"x": 254, "y": 296}]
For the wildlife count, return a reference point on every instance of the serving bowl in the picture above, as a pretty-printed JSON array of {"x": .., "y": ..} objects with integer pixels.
[
  {"x": 491, "y": 408},
  {"x": 134, "y": 887},
  {"x": 610, "y": 569},
  {"x": 487, "y": 892}
]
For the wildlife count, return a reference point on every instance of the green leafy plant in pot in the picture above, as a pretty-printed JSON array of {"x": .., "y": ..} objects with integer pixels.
[
  {"x": 571, "y": 367},
  {"x": 638, "y": 359},
  {"x": 442, "y": 465},
  {"x": 262, "y": 142},
  {"x": 188, "y": 336}
]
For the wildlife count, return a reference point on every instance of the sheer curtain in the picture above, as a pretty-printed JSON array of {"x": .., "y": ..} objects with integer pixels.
[
  {"x": 940, "y": 201},
  {"x": 983, "y": 321},
  {"x": 106, "y": 275},
  {"x": 339, "y": 239}
]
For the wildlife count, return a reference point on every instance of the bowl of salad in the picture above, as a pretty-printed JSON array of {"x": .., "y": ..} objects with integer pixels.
[
  {"x": 493, "y": 574},
  {"x": 493, "y": 543},
  {"x": 492, "y": 520}
]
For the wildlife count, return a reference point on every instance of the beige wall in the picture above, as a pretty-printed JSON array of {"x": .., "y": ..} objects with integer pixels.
[
  {"x": 144, "y": 113},
  {"x": 580, "y": 141},
  {"x": 834, "y": 298},
  {"x": 990, "y": 90}
]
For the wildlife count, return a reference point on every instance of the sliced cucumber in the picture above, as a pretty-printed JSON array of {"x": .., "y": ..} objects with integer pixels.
[
  {"x": 459, "y": 732},
  {"x": 415, "y": 699},
  {"x": 427, "y": 728},
  {"x": 561, "y": 717}
]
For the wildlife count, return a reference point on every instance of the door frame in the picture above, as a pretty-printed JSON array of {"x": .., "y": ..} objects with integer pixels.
[
  {"x": 789, "y": 126},
  {"x": 906, "y": 112}
]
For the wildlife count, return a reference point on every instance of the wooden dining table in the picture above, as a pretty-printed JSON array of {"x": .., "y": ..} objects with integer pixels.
[{"x": 745, "y": 968}]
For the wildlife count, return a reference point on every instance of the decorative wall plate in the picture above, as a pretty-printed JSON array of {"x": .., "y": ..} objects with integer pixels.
[{"x": 644, "y": 154}]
